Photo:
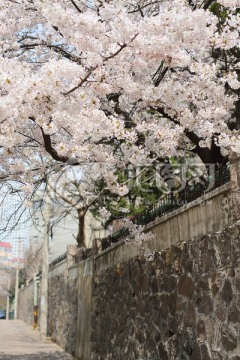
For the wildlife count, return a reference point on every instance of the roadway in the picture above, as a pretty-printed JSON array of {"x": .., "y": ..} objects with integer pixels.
[{"x": 19, "y": 341}]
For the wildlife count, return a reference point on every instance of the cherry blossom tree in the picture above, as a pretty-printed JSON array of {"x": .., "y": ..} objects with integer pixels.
[{"x": 116, "y": 83}]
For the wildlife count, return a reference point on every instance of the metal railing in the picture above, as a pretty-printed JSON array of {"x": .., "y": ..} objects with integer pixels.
[
  {"x": 171, "y": 202},
  {"x": 57, "y": 260}
]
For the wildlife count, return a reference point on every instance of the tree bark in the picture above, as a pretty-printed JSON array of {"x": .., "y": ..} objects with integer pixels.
[{"x": 81, "y": 239}]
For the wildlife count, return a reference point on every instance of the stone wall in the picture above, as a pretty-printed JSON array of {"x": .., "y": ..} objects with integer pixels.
[
  {"x": 62, "y": 306},
  {"x": 62, "y": 302},
  {"x": 25, "y": 304},
  {"x": 62, "y": 310},
  {"x": 183, "y": 305}
]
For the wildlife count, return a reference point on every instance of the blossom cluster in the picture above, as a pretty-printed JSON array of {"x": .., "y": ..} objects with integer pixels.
[{"x": 111, "y": 87}]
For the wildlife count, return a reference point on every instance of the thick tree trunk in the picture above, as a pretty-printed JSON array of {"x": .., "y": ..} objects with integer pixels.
[
  {"x": 211, "y": 156},
  {"x": 81, "y": 240}
]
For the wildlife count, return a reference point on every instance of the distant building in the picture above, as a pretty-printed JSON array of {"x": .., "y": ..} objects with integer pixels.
[
  {"x": 7, "y": 258},
  {"x": 6, "y": 255},
  {"x": 14, "y": 223},
  {"x": 20, "y": 262}
]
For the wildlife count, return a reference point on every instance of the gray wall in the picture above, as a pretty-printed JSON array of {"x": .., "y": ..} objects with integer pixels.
[
  {"x": 212, "y": 212},
  {"x": 25, "y": 304},
  {"x": 84, "y": 325}
]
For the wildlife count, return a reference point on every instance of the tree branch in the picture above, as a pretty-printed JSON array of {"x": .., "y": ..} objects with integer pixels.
[
  {"x": 49, "y": 148},
  {"x": 121, "y": 47},
  {"x": 76, "y": 6}
]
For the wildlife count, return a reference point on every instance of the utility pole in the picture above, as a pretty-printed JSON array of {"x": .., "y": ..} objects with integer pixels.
[
  {"x": 8, "y": 300},
  {"x": 44, "y": 284},
  {"x": 17, "y": 282},
  {"x": 35, "y": 301}
]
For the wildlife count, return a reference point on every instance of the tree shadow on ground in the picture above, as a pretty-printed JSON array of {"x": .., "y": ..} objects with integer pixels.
[{"x": 38, "y": 356}]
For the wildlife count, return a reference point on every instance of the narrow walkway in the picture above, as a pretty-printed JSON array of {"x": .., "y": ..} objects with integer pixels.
[{"x": 19, "y": 342}]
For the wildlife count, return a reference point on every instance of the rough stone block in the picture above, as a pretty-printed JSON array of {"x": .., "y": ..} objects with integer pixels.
[
  {"x": 190, "y": 316},
  {"x": 186, "y": 286},
  {"x": 221, "y": 312},
  {"x": 228, "y": 337},
  {"x": 227, "y": 293},
  {"x": 206, "y": 305},
  {"x": 201, "y": 331}
]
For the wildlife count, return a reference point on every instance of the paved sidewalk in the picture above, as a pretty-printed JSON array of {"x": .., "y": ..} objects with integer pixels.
[{"x": 19, "y": 342}]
